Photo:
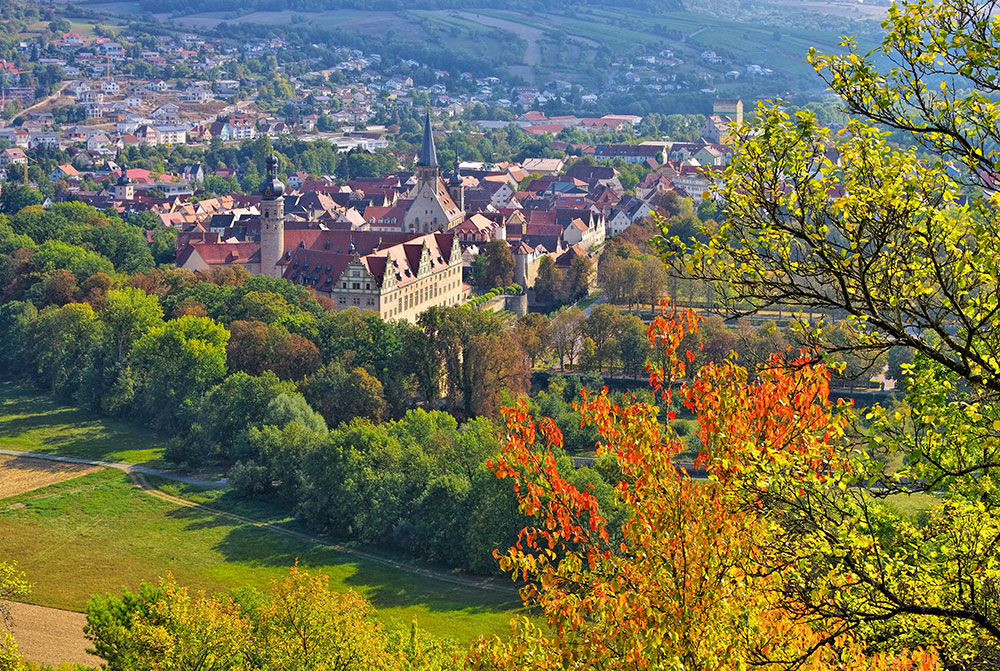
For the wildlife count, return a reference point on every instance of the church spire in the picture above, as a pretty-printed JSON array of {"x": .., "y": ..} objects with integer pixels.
[{"x": 428, "y": 154}]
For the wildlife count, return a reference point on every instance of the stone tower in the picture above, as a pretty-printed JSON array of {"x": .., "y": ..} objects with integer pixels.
[
  {"x": 272, "y": 220},
  {"x": 124, "y": 188}
]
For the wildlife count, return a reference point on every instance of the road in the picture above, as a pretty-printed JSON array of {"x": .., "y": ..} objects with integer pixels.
[{"x": 38, "y": 103}]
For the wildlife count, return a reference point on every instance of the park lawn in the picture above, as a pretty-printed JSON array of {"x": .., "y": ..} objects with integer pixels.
[
  {"x": 99, "y": 533},
  {"x": 32, "y": 421}
]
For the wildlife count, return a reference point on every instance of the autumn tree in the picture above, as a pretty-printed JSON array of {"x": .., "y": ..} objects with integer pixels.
[
  {"x": 12, "y": 586},
  {"x": 690, "y": 581},
  {"x": 300, "y": 625},
  {"x": 340, "y": 394},
  {"x": 893, "y": 238}
]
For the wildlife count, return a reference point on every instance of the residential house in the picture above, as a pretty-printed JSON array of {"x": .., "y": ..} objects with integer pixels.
[
  {"x": 13, "y": 156},
  {"x": 65, "y": 171},
  {"x": 170, "y": 135},
  {"x": 97, "y": 141},
  {"x": 191, "y": 172},
  {"x": 167, "y": 113}
]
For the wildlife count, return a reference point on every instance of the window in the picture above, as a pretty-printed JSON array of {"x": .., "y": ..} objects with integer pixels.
[
  {"x": 342, "y": 300},
  {"x": 355, "y": 285}
]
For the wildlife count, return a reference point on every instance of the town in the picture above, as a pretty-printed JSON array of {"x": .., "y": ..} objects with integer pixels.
[
  {"x": 103, "y": 126},
  {"x": 439, "y": 335}
]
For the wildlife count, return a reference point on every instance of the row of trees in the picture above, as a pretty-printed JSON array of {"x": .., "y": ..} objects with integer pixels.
[{"x": 253, "y": 372}]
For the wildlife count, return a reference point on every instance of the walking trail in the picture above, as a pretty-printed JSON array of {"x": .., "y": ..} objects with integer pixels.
[{"x": 137, "y": 475}]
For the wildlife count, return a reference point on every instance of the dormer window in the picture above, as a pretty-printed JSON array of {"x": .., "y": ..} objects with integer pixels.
[
  {"x": 319, "y": 267},
  {"x": 328, "y": 245},
  {"x": 329, "y": 268},
  {"x": 296, "y": 264}
]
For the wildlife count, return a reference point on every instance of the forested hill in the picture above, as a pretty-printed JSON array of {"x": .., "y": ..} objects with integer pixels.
[{"x": 390, "y": 5}]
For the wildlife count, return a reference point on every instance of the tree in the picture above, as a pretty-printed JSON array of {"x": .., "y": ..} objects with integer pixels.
[
  {"x": 498, "y": 367},
  {"x": 578, "y": 277},
  {"x": 603, "y": 328},
  {"x": 340, "y": 395},
  {"x": 532, "y": 334},
  {"x": 173, "y": 364},
  {"x": 564, "y": 335},
  {"x": 686, "y": 582},
  {"x": 549, "y": 285},
  {"x": 127, "y": 314},
  {"x": 498, "y": 266},
  {"x": 16, "y": 197},
  {"x": 879, "y": 234},
  {"x": 652, "y": 281},
  {"x": 12, "y": 586}
]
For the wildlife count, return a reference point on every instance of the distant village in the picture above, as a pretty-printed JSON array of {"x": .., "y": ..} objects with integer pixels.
[{"x": 338, "y": 229}]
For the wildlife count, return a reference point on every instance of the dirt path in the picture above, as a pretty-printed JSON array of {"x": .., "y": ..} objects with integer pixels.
[
  {"x": 128, "y": 468},
  {"x": 50, "y": 636}
]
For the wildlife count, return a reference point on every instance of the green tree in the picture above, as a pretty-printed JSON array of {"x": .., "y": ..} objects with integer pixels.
[
  {"x": 127, "y": 314},
  {"x": 882, "y": 235},
  {"x": 15, "y": 198},
  {"x": 579, "y": 277},
  {"x": 550, "y": 287},
  {"x": 172, "y": 365},
  {"x": 498, "y": 265}
]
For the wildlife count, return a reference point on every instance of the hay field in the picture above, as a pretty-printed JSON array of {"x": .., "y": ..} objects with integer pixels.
[{"x": 23, "y": 474}]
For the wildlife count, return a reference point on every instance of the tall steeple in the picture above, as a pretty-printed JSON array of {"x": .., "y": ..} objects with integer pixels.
[{"x": 428, "y": 154}]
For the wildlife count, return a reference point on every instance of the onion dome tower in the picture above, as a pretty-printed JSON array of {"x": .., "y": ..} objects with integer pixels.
[
  {"x": 124, "y": 188},
  {"x": 272, "y": 220}
]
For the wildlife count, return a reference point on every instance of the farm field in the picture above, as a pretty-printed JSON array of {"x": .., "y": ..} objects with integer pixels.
[
  {"x": 22, "y": 474},
  {"x": 99, "y": 533},
  {"x": 542, "y": 45}
]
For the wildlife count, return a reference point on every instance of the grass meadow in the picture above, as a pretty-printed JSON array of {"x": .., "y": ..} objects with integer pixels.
[{"x": 99, "y": 533}]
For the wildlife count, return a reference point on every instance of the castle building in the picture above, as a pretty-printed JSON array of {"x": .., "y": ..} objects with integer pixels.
[{"x": 432, "y": 208}]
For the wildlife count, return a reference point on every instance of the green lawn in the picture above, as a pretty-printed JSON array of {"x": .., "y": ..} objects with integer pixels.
[
  {"x": 98, "y": 533},
  {"x": 32, "y": 421}
]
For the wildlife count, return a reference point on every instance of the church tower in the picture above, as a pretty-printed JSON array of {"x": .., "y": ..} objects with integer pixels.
[
  {"x": 432, "y": 208},
  {"x": 272, "y": 220},
  {"x": 125, "y": 187},
  {"x": 427, "y": 162}
]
